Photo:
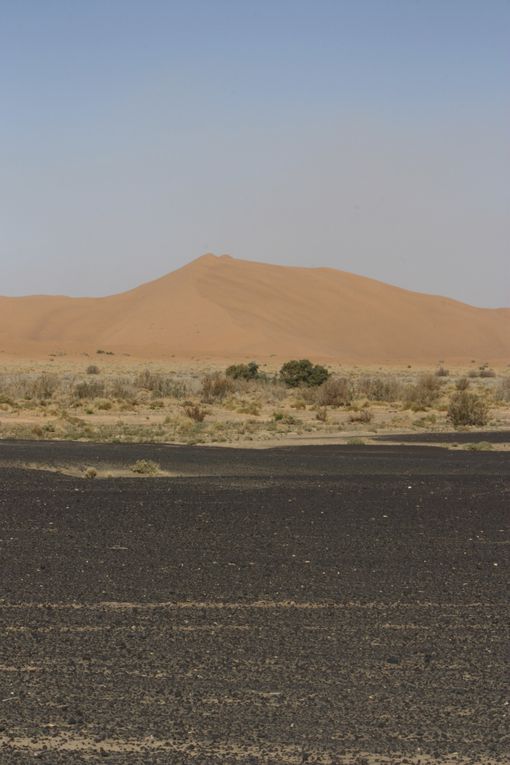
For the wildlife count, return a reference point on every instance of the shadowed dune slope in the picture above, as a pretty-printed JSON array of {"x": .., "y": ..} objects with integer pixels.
[{"x": 223, "y": 307}]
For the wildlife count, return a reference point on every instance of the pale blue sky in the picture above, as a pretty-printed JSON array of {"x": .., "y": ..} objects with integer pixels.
[{"x": 367, "y": 135}]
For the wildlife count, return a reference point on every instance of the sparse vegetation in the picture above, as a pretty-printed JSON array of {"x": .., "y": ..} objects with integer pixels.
[
  {"x": 159, "y": 384},
  {"x": 363, "y": 416},
  {"x": 380, "y": 388},
  {"x": 322, "y": 414},
  {"x": 145, "y": 467},
  {"x": 503, "y": 391},
  {"x": 467, "y": 408},
  {"x": 423, "y": 393},
  {"x": 194, "y": 411},
  {"x": 89, "y": 389},
  {"x": 285, "y": 419},
  {"x": 335, "y": 391},
  {"x": 215, "y": 387},
  {"x": 479, "y": 446},
  {"x": 92, "y": 369},
  {"x": 201, "y": 404}
]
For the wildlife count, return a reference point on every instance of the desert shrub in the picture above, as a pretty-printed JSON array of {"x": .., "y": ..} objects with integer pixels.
[
  {"x": 145, "y": 467},
  {"x": 379, "y": 388},
  {"x": 442, "y": 372},
  {"x": 89, "y": 389},
  {"x": 147, "y": 380},
  {"x": 92, "y": 369},
  {"x": 285, "y": 419},
  {"x": 194, "y": 411},
  {"x": 249, "y": 407},
  {"x": 244, "y": 371},
  {"x": 215, "y": 387},
  {"x": 503, "y": 390},
  {"x": 423, "y": 393},
  {"x": 467, "y": 408},
  {"x": 104, "y": 404},
  {"x": 479, "y": 446},
  {"x": 473, "y": 373},
  {"x": 427, "y": 421},
  {"x": 303, "y": 373},
  {"x": 485, "y": 372},
  {"x": 364, "y": 416},
  {"x": 160, "y": 384},
  {"x": 42, "y": 387},
  {"x": 335, "y": 391},
  {"x": 462, "y": 383},
  {"x": 122, "y": 388},
  {"x": 176, "y": 389}
]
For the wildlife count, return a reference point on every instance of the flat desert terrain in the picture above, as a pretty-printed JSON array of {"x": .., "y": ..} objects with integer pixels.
[
  {"x": 331, "y": 588},
  {"x": 106, "y": 398},
  {"x": 342, "y": 605}
]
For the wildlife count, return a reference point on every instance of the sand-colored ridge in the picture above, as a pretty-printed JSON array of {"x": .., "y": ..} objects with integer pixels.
[{"x": 219, "y": 306}]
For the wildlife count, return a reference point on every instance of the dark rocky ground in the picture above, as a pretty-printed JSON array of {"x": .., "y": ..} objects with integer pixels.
[{"x": 295, "y": 605}]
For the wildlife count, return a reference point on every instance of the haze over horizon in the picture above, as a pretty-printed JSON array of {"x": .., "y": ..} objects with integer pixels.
[{"x": 370, "y": 136}]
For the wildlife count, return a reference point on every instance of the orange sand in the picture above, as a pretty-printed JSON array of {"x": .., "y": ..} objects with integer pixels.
[{"x": 228, "y": 308}]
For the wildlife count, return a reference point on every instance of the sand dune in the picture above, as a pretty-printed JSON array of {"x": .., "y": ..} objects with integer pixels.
[{"x": 223, "y": 307}]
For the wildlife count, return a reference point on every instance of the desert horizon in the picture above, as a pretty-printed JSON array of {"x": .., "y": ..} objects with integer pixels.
[
  {"x": 254, "y": 506},
  {"x": 220, "y": 307}
]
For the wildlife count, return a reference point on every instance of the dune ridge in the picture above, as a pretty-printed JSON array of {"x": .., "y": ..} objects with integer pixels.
[{"x": 218, "y": 306}]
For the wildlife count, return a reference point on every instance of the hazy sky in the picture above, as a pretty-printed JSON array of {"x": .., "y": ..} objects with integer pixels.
[{"x": 367, "y": 135}]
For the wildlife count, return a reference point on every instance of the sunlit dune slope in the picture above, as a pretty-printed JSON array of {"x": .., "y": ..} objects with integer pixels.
[{"x": 223, "y": 307}]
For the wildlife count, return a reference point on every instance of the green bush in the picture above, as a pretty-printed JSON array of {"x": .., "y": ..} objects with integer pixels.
[
  {"x": 244, "y": 371},
  {"x": 467, "y": 409},
  {"x": 303, "y": 372}
]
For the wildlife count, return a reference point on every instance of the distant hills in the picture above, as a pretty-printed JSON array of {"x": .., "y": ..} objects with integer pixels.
[{"x": 228, "y": 308}]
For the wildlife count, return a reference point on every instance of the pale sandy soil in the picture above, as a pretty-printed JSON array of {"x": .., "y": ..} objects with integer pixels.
[{"x": 194, "y": 748}]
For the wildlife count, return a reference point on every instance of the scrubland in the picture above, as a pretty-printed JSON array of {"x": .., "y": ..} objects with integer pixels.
[{"x": 119, "y": 399}]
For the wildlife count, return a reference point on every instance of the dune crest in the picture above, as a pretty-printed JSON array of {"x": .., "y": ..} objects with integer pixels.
[{"x": 219, "y": 306}]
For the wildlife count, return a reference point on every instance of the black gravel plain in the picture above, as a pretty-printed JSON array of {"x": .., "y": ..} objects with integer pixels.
[{"x": 293, "y": 605}]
